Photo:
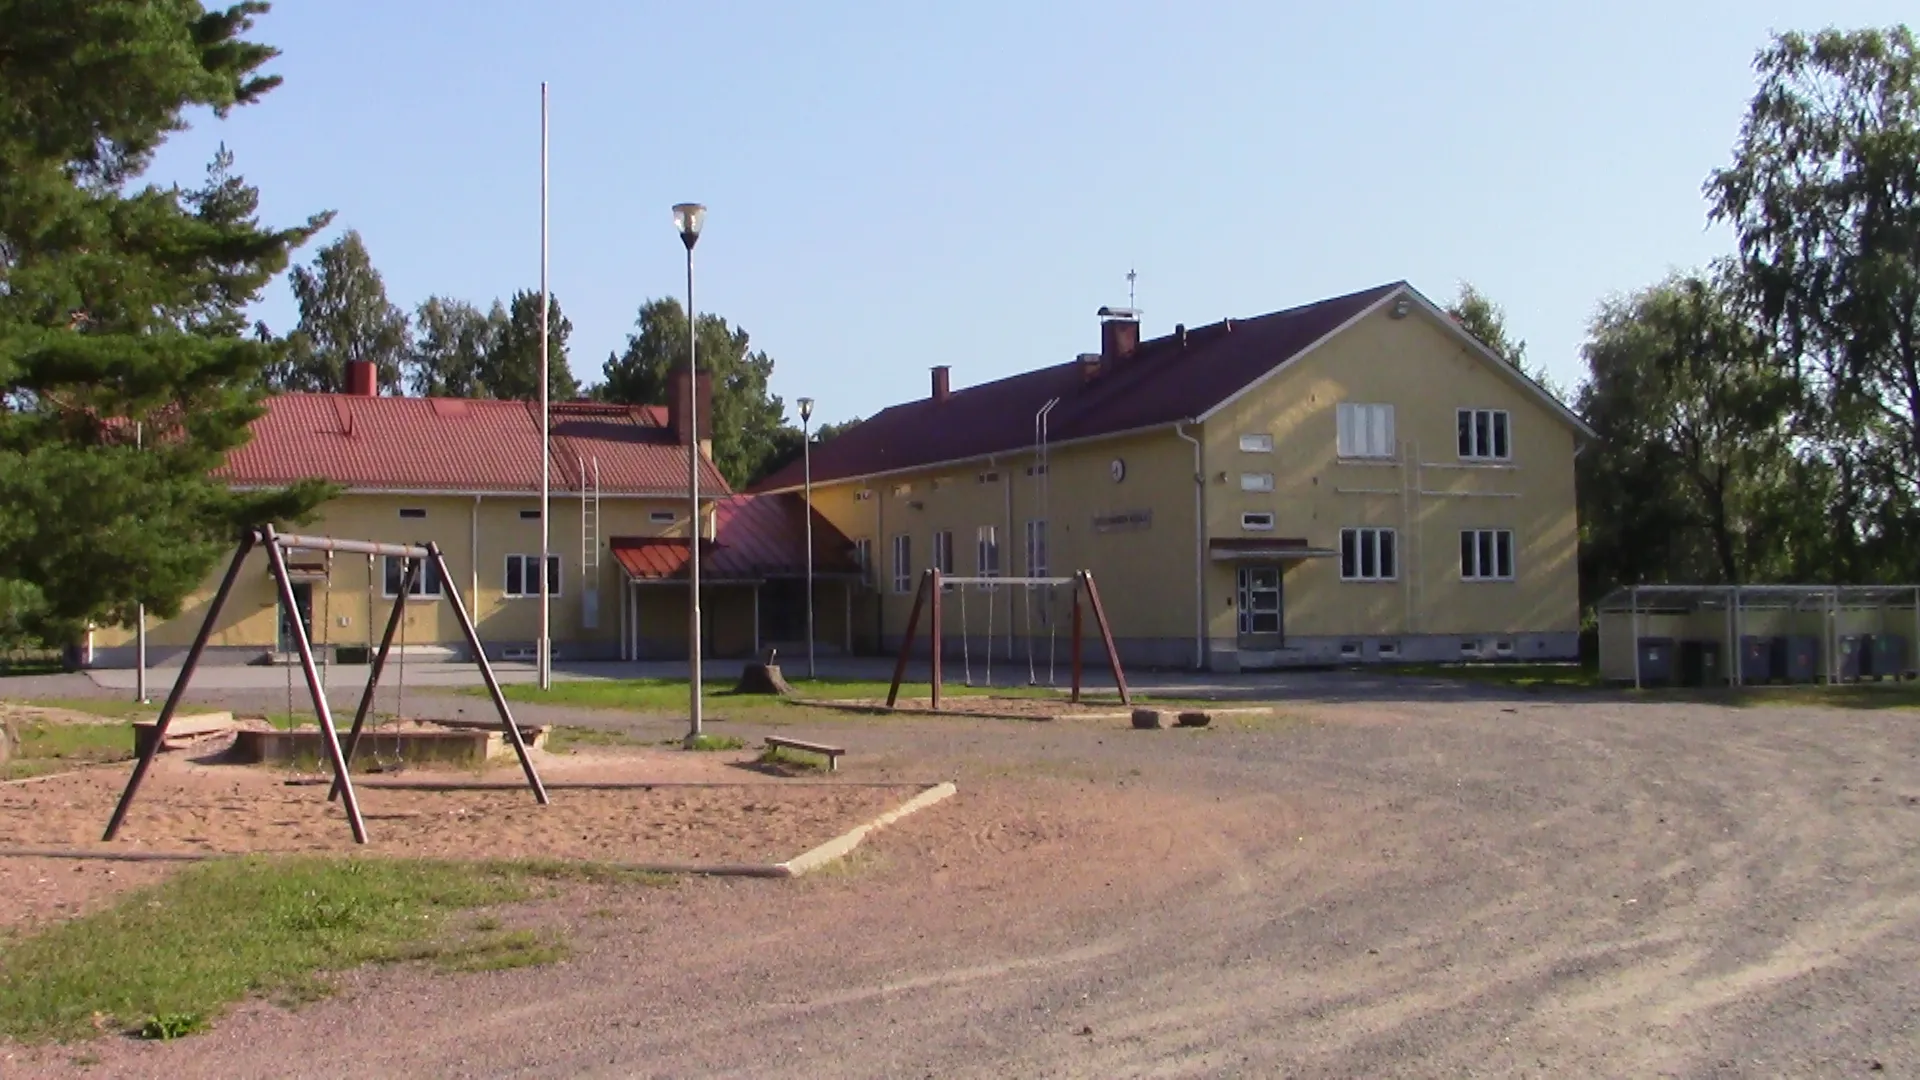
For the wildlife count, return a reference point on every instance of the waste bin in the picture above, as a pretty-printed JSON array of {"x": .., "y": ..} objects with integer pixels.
[
  {"x": 1796, "y": 658},
  {"x": 1699, "y": 663},
  {"x": 1888, "y": 656},
  {"x": 1853, "y": 652},
  {"x": 1656, "y": 661},
  {"x": 1756, "y": 659}
]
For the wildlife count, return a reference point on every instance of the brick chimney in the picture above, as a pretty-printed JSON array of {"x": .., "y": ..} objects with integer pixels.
[
  {"x": 1119, "y": 335},
  {"x": 677, "y": 403},
  {"x": 1089, "y": 366},
  {"x": 942, "y": 387},
  {"x": 362, "y": 379}
]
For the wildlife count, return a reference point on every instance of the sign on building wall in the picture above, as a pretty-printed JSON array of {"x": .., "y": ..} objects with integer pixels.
[{"x": 1124, "y": 521}]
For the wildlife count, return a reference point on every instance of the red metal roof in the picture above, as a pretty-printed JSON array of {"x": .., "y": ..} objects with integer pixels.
[
  {"x": 1165, "y": 380},
  {"x": 456, "y": 444},
  {"x": 755, "y": 537}
]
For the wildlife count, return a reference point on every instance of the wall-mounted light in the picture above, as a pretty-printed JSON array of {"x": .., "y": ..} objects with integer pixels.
[{"x": 1401, "y": 307}]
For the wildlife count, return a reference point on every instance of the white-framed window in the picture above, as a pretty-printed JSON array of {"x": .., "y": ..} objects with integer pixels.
[
  {"x": 1256, "y": 481},
  {"x": 1485, "y": 434},
  {"x": 1366, "y": 431},
  {"x": 1037, "y": 560},
  {"x": 662, "y": 517},
  {"x": 1257, "y": 521},
  {"x": 942, "y": 555},
  {"x": 986, "y": 546},
  {"x": 1486, "y": 554},
  {"x": 1368, "y": 555},
  {"x": 902, "y": 563},
  {"x": 426, "y": 584},
  {"x": 523, "y": 576},
  {"x": 863, "y": 555},
  {"x": 987, "y": 478},
  {"x": 901, "y": 491},
  {"x": 1256, "y": 444}
]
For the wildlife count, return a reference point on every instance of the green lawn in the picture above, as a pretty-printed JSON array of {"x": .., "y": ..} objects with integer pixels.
[
  {"x": 670, "y": 695},
  {"x": 48, "y": 748},
  {"x": 164, "y": 961},
  {"x": 108, "y": 708}
]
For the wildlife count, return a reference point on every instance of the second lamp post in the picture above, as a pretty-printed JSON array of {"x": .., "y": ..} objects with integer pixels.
[{"x": 687, "y": 218}]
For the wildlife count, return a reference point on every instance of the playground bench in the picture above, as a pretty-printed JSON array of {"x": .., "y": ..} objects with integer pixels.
[{"x": 831, "y": 753}]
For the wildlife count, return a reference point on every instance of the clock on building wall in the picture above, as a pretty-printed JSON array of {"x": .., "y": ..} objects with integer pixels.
[{"x": 1118, "y": 468}]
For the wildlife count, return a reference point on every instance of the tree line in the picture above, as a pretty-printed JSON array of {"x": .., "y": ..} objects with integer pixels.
[
  {"x": 451, "y": 348},
  {"x": 1758, "y": 418}
]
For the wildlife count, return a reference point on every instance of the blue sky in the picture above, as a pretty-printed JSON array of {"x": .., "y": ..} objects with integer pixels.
[{"x": 893, "y": 186}]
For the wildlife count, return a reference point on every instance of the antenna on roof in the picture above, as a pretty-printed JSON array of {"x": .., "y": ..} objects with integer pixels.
[{"x": 1130, "y": 276}]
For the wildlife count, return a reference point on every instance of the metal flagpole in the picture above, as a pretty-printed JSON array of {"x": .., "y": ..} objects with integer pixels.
[{"x": 543, "y": 654}]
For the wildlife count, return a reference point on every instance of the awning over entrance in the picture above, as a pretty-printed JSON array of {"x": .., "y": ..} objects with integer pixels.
[
  {"x": 756, "y": 537},
  {"x": 1265, "y": 549}
]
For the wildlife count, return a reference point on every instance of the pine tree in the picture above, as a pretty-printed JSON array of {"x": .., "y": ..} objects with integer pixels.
[{"x": 126, "y": 369}]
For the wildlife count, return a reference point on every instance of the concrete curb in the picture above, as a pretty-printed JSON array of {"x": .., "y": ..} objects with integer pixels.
[{"x": 841, "y": 846}]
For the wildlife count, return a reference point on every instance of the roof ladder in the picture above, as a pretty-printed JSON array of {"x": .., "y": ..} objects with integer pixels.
[{"x": 590, "y": 544}]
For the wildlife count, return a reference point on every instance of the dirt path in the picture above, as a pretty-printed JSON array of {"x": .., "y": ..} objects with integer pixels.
[{"x": 1413, "y": 889}]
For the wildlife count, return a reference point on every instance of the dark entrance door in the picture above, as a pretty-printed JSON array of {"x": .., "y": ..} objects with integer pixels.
[
  {"x": 1262, "y": 627},
  {"x": 303, "y": 599},
  {"x": 783, "y": 611}
]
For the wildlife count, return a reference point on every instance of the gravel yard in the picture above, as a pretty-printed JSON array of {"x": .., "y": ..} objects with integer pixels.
[{"x": 1491, "y": 884}]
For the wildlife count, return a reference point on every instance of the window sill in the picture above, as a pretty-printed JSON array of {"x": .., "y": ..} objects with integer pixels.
[
  {"x": 1369, "y": 581},
  {"x": 528, "y": 596},
  {"x": 1488, "y": 580},
  {"x": 1476, "y": 463},
  {"x": 1369, "y": 462},
  {"x": 413, "y": 599}
]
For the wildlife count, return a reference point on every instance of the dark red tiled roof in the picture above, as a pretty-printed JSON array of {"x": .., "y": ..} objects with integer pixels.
[
  {"x": 755, "y": 537},
  {"x": 1163, "y": 382},
  {"x": 455, "y": 444}
]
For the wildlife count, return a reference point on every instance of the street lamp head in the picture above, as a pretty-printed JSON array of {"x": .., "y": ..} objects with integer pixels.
[
  {"x": 688, "y": 217},
  {"x": 806, "y": 409}
]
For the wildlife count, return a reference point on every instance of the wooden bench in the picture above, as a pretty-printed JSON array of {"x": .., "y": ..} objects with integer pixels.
[{"x": 831, "y": 753}]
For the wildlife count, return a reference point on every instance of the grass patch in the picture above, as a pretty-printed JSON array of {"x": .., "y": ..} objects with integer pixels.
[
  {"x": 669, "y": 696},
  {"x": 711, "y": 743},
  {"x": 563, "y": 739},
  {"x": 48, "y": 747},
  {"x": 222, "y": 931},
  {"x": 110, "y": 708},
  {"x": 1901, "y": 695}
]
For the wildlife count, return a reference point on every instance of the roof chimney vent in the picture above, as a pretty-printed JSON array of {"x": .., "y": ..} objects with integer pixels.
[
  {"x": 942, "y": 386},
  {"x": 1089, "y": 366},
  {"x": 362, "y": 379},
  {"x": 1119, "y": 334}
]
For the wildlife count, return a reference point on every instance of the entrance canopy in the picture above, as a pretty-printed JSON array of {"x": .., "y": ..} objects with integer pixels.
[
  {"x": 1265, "y": 549},
  {"x": 756, "y": 537}
]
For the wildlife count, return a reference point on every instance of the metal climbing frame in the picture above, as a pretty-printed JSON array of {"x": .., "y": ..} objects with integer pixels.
[
  {"x": 928, "y": 597},
  {"x": 339, "y": 757}
]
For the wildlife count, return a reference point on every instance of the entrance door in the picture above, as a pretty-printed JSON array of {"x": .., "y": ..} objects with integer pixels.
[
  {"x": 1260, "y": 618},
  {"x": 303, "y": 599}
]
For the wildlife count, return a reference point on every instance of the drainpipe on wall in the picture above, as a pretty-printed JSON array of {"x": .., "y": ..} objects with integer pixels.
[
  {"x": 1199, "y": 549},
  {"x": 1006, "y": 549},
  {"x": 474, "y": 553}
]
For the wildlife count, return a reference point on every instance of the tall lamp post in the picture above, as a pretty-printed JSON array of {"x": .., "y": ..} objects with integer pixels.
[
  {"x": 687, "y": 218},
  {"x": 806, "y": 457}
]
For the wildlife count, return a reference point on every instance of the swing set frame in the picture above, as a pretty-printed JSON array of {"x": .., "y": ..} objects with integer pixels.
[
  {"x": 338, "y": 755},
  {"x": 927, "y": 598}
]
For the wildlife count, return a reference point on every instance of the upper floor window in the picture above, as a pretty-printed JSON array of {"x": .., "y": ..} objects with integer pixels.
[
  {"x": 412, "y": 512},
  {"x": 662, "y": 517},
  {"x": 1366, "y": 431},
  {"x": 1256, "y": 481},
  {"x": 1257, "y": 521},
  {"x": 1485, "y": 434},
  {"x": 1256, "y": 444}
]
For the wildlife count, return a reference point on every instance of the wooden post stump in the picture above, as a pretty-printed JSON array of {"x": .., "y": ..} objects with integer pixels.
[{"x": 764, "y": 677}]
